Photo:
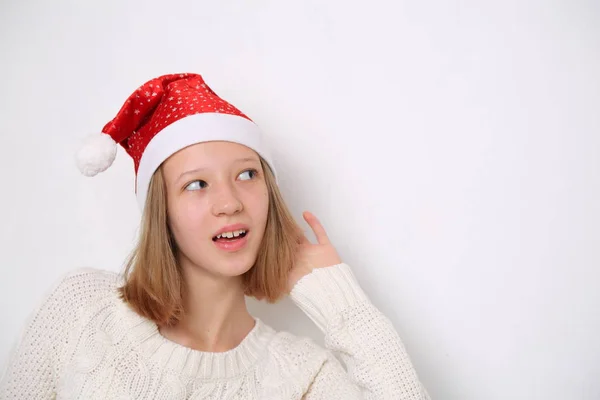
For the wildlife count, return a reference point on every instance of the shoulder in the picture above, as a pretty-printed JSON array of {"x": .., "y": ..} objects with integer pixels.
[
  {"x": 300, "y": 366},
  {"x": 86, "y": 281},
  {"x": 80, "y": 287},
  {"x": 291, "y": 364},
  {"x": 294, "y": 346},
  {"x": 88, "y": 277},
  {"x": 62, "y": 306}
]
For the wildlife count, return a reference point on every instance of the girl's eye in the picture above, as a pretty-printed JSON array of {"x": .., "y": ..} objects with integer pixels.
[
  {"x": 199, "y": 184},
  {"x": 195, "y": 185},
  {"x": 250, "y": 170}
]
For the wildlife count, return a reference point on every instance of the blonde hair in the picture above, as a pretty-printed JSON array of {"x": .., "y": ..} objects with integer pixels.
[{"x": 154, "y": 285}]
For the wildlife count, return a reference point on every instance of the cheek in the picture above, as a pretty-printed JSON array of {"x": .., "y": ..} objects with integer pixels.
[
  {"x": 260, "y": 204},
  {"x": 266, "y": 201},
  {"x": 187, "y": 224},
  {"x": 263, "y": 214}
]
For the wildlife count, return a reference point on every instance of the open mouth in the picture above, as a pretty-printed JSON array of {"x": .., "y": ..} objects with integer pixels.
[
  {"x": 225, "y": 238},
  {"x": 231, "y": 241}
]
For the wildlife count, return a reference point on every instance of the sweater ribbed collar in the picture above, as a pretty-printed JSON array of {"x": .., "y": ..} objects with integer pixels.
[{"x": 145, "y": 335}]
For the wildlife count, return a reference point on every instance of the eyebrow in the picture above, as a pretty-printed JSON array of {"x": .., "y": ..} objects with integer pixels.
[{"x": 192, "y": 171}]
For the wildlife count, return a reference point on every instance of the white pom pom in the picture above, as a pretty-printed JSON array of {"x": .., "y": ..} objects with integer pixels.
[{"x": 96, "y": 154}]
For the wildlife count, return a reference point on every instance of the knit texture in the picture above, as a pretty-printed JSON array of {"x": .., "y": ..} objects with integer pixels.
[{"x": 85, "y": 343}]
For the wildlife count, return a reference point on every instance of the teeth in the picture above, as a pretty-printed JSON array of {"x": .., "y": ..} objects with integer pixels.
[{"x": 229, "y": 235}]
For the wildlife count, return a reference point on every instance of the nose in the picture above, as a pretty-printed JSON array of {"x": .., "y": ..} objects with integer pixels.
[{"x": 226, "y": 201}]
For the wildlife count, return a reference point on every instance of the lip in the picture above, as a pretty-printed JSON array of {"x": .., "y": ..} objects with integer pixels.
[
  {"x": 232, "y": 246},
  {"x": 229, "y": 228}
]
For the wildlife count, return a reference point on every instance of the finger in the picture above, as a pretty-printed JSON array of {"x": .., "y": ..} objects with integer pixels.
[
  {"x": 316, "y": 226},
  {"x": 302, "y": 239}
]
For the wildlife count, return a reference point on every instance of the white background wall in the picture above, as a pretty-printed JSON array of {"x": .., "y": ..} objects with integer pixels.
[{"x": 450, "y": 148}]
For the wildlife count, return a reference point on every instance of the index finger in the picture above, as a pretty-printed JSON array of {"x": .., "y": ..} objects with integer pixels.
[{"x": 317, "y": 227}]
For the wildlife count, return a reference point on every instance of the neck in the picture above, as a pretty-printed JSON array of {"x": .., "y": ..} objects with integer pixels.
[{"x": 216, "y": 317}]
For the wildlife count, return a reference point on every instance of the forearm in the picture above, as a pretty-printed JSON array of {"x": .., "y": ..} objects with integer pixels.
[{"x": 365, "y": 339}]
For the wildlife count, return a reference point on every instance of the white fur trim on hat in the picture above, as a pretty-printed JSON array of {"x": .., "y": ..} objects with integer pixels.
[
  {"x": 96, "y": 154},
  {"x": 197, "y": 128}
]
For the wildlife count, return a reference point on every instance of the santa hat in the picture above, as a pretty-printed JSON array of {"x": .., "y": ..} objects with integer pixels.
[{"x": 163, "y": 116}]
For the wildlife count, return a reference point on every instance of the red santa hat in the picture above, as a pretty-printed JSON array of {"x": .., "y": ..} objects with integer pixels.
[{"x": 163, "y": 116}]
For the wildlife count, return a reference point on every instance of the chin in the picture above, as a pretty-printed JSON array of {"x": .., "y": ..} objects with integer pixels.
[
  {"x": 234, "y": 268},
  {"x": 219, "y": 262},
  {"x": 233, "y": 264}
]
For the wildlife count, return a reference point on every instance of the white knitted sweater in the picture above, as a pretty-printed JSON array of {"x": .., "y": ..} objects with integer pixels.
[{"x": 86, "y": 343}]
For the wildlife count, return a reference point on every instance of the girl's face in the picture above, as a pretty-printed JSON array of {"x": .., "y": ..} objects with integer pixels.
[{"x": 209, "y": 186}]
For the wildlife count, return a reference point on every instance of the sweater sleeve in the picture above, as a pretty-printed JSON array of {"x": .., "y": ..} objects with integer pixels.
[
  {"x": 377, "y": 364},
  {"x": 37, "y": 356}
]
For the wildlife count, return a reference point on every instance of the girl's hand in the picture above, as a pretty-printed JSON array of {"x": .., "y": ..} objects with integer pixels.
[{"x": 311, "y": 256}]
